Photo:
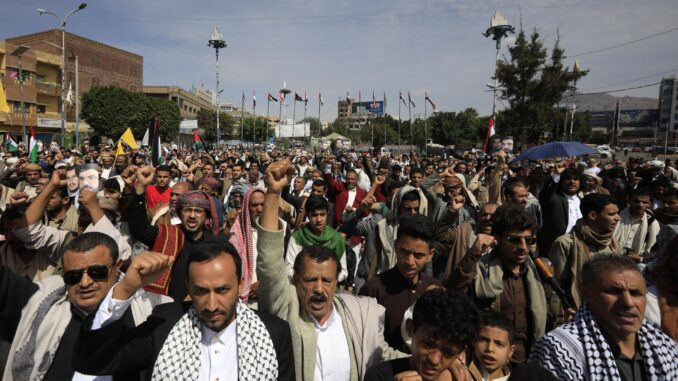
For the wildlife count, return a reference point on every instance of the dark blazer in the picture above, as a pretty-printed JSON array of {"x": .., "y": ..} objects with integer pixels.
[
  {"x": 111, "y": 348},
  {"x": 555, "y": 212}
]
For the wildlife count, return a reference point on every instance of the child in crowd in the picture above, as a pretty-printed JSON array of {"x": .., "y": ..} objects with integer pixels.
[{"x": 492, "y": 348}]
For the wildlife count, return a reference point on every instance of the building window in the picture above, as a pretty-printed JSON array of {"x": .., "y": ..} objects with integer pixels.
[
  {"x": 96, "y": 60},
  {"x": 115, "y": 65},
  {"x": 95, "y": 81},
  {"x": 42, "y": 109}
]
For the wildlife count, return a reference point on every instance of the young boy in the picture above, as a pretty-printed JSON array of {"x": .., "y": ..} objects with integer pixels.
[
  {"x": 492, "y": 348},
  {"x": 443, "y": 325}
]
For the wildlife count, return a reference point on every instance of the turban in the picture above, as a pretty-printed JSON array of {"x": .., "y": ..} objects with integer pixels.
[
  {"x": 200, "y": 199},
  {"x": 32, "y": 167},
  {"x": 211, "y": 182}
]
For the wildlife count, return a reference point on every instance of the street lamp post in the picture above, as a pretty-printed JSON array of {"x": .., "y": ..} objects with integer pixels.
[
  {"x": 574, "y": 104},
  {"x": 499, "y": 28},
  {"x": 63, "y": 22},
  {"x": 18, "y": 52},
  {"x": 217, "y": 42}
]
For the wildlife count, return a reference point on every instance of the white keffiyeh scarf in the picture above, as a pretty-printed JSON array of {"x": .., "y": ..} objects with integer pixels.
[
  {"x": 179, "y": 357},
  {"x": 577, "y": 350}
]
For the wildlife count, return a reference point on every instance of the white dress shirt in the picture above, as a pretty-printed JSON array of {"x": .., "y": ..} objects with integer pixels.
[
  {"x": 351, "y": 198},
  {"x": 332, "y": 358},
  {"x": 218, "y": 350}
]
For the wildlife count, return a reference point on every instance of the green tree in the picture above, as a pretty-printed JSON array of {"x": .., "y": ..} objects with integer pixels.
[
  {"x": 366, "y": 134},
  {"x": 463, "y": 128},
  {"x": 111, "y": 110},
  {"x": 207, "y": 121},
  {"x": 532, "y": 82},
  {"x": 262, "y": 133}
]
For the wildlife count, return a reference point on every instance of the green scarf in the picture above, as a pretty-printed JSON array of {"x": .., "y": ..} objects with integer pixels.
[{"x": 329, "y": 238}]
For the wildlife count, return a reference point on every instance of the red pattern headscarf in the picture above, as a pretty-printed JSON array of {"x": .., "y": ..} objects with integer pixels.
[
  {"x": 200, "y": 199},
  {"x": 241, "y": 239}
]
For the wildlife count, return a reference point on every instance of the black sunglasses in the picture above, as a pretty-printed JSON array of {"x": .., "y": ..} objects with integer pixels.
[
  {"x": 96, "y": 272},
  {"x": 516, "y": 240}
]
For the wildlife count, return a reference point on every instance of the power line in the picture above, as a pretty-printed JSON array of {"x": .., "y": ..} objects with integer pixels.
[
  {"x": 632, "y": 80},
  {"x": 618, "y": 90},
  {"x": 624, "y": 43}
]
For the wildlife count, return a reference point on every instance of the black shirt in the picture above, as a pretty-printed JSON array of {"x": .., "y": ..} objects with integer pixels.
[{"x": 386, "y": 371}]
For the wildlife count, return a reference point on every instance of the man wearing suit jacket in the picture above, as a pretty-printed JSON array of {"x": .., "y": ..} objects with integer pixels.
[
  {"x": 347, "y": 196},
  {"x": 559, "y": 204},
  {"x": 215, "y": 336}
]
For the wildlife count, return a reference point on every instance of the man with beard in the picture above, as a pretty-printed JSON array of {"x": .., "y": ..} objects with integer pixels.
[
  {"x": 243, "y": 236},
  {"x": 497, "y": 272},
  {"x": 194, "y": 209},
  {"x": 609, "y": 338},
  {"x": 73, "y": 185},
  {"x": 591, "y": 236},
  {"x": 559, "y": 204},
  {"x": 335, "y": 336},
  {"x": 212, "y": 336},
  {"x": 516, "y": 191},
  {"x": 397, "y": 288},
  {"x": 106, "y": 165},
  {"x": 60, "y": 212},
  {"x": 637, "y": 229},
  {"x": 168, "y": 214}
]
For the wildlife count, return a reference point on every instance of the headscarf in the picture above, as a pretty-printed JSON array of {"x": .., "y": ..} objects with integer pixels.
[
  {"x": 200, "y": 199},
  {"x": 241, "y": 238}
]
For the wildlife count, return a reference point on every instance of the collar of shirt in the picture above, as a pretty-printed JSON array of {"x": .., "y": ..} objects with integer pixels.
[
  {"x": 224, "y": 336},
  {"x": 328, "y": 323}
]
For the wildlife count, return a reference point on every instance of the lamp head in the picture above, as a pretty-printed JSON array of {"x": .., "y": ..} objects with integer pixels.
[
  {"x": 41, "y": 11},
  {"x": 82, "y": 6}
]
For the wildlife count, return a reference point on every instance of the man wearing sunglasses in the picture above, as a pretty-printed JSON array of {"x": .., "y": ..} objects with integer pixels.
[
  {"x": 43, "y": 320},
  {"x": 497, "y": 272}
]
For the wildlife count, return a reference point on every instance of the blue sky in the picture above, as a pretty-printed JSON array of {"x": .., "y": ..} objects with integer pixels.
[{"x": 337, "y": 47}]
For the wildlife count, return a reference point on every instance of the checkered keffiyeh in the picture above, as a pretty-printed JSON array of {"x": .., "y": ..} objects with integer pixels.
[
  {"x": 577, "y": 350},
  {"x": 179, "y": 357}
]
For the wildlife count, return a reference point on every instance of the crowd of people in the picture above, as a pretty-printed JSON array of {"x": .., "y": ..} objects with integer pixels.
[{"x": 276, "y": 264}]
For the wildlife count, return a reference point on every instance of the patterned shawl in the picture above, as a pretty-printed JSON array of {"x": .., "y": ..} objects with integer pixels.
[
  {"x": 241, "y": 239},
  {"x": 577, "y": 350},
  {"x": 179, "y": 357}
]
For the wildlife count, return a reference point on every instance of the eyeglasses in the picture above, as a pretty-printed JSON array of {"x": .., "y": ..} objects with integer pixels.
[
  {"x": 516, "y": 240},
  {"x": 96, "y": 272}
]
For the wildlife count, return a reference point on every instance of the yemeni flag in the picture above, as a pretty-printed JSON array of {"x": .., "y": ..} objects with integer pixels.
[
  {"x": 198, "y": 142},
  {"x": 10, "y": 144},
  {"x": 402, "y": 99},
  {"x": 428, "y": 99},
  {"x": 271, "y": 98},
  {"x": 33, "y": 147},
  {"x": 409, "y": 99},
  {"x": 490, "y": 133},
  {"x": 154, "y": 129},
  {"x": 298, "y": 98},
  {"x": 320, "y": 98}
]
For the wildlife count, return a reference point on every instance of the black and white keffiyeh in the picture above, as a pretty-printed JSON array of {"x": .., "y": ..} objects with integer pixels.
[
  {"x": 179, "y": 357},
  {"x": 577, "y": 350}
]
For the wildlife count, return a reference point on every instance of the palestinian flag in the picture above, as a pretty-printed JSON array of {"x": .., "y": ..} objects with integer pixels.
[
  {"x": 198, "y": 142},
  {"x": 320, "y": 98},
  {"x": 271, "y": 98},
  {"x": 33, "y": 147},
  {"x": 10, "y": 144},
  {"x": 428, "y": 99}
]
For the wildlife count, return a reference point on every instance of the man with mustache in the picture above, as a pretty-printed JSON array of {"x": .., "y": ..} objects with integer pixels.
[
  {"x": 497, "y": 272},
  {"x": 347, "y": 196},
  {"x": 214, "y": 336},
  {"x": 43, "y": 320},
  {"x": 591, "y": 236},
  {"x": 559, "y": 202},
  {"x": 335, "y": 336},
  {"x": 609, "y": 338},
  {"x": 194, "y": 209}
]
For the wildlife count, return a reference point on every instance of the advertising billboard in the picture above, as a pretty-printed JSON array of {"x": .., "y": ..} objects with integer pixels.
[
  {"x": 628, "y": 118},
  {"x": 290, "y": 130},
  {"x": 376, "y": 107}
]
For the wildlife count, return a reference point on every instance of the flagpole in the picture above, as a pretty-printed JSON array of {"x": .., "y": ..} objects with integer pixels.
[
  {"x": 294, "y": 116},
  {"x": 384, "y": 114},
  {"x": 254, "y": 124},
  {"x": 268, "y": 107},
  {"x": 399, "y": 120},
  {"x": 409, "y": 111},
  {"x": 242, "y": 119},
  {"x": 320, "y": 97},
  {"x": 425, "y": 128},
  {"x": 280, "y": 105},
  {"x": 77, "y": 106}
]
